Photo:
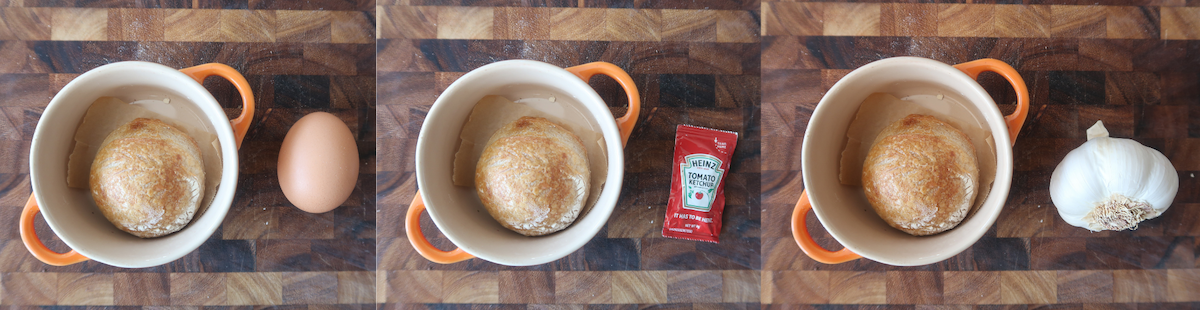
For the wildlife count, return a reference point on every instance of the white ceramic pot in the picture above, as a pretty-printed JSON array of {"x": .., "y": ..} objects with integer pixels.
[
  {"x": 844, "y": 211},
  {"x": 457, "y": 210},
  {"x": 72, "y": 214}
]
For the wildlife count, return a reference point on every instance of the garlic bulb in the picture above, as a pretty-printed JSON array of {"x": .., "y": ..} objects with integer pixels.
[{"x": 1112, "y": 183}]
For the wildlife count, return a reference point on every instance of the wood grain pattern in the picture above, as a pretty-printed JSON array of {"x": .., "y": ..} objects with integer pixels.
[
  {"x": 573, "y": 24},
  {"x": 471, "y": 287},
  {"x": 918, "y": 287},
  {"x": 1180, "y": 23},
  {"x": 1032, "y": 20},
  {"x": 187, "y": 25},
  {"x": 295, "y": 26},
  {"x": 465, "y": 23},
  {"x": 192, "y": 25},
  {"x": 27, "y": 23},
  {"x": 852, "y": 19},
  {"x": 1085, "y": 286},
  {"x": 682, "y": 25},
  {"x": 583, "y": 287},
  {"x": 866, "y": 287},
  {"x": 694, "y": 286},
  {"x": 136, "y": 25},
  {"x": 1139, "y": 285},
  {"x": 795, "y": 19},
  {"x": 79, "y": 25},
  {"x": 421, "y": 286},
  {"x": 740, "y": 286},
  {"x": 1077, "y": 21},
  {"x": 639, "y": 287},
  {"x": 248, "y": 26},
  {"x": 85, "y": 289},
  {"x": 29, "y": 288},
  {"x": 254, "y": 288},
  {"x": 1182, "y": 285},
  {"x": 150, "y": 289},
  {"x": 1018, "y": 21},
  {"x": 966, "y": 287},
  {"x": 793, "y": 287},
  {"x": 964, "y": 20},
  {"x": 298, "y": 58},
  {"x": 203, "y": 289},
  {"x": 526, "y": 287},
  {"x": 1028, "y": 287},
  {"x": 356, "y": 287}
]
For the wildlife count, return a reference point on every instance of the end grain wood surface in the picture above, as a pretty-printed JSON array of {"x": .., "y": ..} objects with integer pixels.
[{"x": 298, "y": 57}]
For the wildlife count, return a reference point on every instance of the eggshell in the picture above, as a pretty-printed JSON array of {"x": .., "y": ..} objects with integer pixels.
[{"x": 318, "y": 163}]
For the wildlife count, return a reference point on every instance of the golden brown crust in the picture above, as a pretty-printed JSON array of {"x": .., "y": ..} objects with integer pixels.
[
  {"x": 148, "y": 178},
  {"x": 533, "y": 176},
  {"x": 921, "y": 175}
]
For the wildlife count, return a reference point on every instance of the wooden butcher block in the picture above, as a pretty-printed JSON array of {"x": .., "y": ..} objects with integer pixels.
[
  {"x": 299, "y": 57},
  {"x": 1131, "y": 64},
  {"x": 694, "y": 62}
]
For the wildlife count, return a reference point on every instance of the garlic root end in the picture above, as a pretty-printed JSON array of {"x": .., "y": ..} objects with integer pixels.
[{"x": 1118, "y": 213}]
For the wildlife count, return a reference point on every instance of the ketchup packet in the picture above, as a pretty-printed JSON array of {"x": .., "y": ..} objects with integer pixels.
[{"x": 698, "y": 172}]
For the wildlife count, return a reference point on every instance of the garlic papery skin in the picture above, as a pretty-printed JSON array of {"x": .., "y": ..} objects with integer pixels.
[{"x": 1112, "y": 183}]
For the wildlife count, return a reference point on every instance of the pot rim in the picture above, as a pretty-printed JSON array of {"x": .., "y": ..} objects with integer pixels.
[
  {"x": 588, "y": 98},
  {"x": 212, "y": 112},
  {"x": 990, "y": 209}
]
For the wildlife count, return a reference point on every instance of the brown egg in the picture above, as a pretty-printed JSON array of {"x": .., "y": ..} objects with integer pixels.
[{"x": 318, "y": 163}]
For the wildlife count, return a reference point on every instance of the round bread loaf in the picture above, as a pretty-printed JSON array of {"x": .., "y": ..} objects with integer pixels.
[
  {"x": 148, "y": 178},
  {"x": 533, "y": 176},
  {"x": 921, "y": 175}
]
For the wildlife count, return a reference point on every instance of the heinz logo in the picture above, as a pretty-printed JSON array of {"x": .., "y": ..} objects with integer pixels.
[
  {"x": 700, "y": 173},
  {"x": 702, "y": 162}
]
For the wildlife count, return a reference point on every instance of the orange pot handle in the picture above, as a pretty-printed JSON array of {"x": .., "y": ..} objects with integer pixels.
[
  {"x": 35, "y": 245},
  {"x": 806, "y": 242},
  {"x": 241, "y": 124},
  {"x": 417, "y": 238},
  {"x": 1017, "y": 118},
  {"x": 625, "y": 123}
]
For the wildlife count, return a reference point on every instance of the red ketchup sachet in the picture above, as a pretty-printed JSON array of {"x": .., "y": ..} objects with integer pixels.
[{"x": 702, "y": 157}]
